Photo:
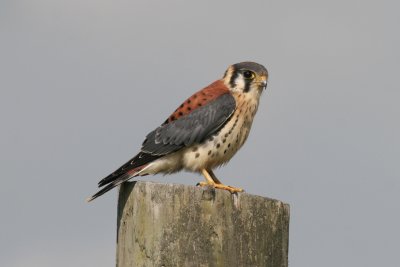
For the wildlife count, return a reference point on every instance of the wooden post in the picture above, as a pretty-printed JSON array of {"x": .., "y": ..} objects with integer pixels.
[{"x": 177, "y": 225}]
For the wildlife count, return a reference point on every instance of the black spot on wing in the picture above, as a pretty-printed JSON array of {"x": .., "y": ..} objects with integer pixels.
[{"x": 192, "y": 128}]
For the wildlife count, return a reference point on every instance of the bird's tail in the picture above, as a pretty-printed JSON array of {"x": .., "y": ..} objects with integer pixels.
[{"x": 115, "y": 182}]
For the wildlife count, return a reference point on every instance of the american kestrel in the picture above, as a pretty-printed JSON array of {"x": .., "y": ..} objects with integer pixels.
[{"x": 203, "y": 133}]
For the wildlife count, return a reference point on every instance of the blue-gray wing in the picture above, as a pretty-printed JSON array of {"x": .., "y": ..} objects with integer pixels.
[{"x": 192, "y": 128}]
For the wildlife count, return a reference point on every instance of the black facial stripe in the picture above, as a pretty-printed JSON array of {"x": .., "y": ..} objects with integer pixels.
[
  {"x": 235, "y": 74},
  {"x": 226, "y": 72},
  {"x": 246, "y": 85}
]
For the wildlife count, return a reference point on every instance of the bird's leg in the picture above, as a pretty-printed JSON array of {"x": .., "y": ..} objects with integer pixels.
[
  {"x": 213, "y": 181},
  {"x": 210, "y": 180}
]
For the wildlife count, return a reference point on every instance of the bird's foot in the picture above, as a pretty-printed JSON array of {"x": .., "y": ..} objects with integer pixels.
[{"x": 222, "y": 186}]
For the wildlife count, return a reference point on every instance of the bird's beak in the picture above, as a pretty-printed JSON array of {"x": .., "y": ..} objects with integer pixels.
[{"x": 264, "y": 84}]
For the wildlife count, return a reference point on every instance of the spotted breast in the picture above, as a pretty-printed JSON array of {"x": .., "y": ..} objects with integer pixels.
[{"x": 221, "y": 147}]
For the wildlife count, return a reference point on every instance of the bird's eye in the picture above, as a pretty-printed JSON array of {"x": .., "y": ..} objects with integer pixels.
[{"x": 248, "y": 74}]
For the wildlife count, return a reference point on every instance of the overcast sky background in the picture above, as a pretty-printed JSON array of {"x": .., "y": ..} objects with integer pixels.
[{"x": 83, "y": 81}]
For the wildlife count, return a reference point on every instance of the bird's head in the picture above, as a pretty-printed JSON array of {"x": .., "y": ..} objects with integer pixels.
[{"x": 246, "y": 77}]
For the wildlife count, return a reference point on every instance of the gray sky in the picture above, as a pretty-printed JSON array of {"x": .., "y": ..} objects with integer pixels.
[{"x": 83, "y": 81}]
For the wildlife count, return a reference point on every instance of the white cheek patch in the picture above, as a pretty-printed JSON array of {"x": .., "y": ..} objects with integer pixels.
[{"x": 239, "y": 84}]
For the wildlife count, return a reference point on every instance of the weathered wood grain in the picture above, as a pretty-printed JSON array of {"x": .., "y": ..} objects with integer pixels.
[{"x": 178, "y": 225}]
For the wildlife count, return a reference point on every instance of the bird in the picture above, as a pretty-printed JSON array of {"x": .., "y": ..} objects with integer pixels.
[{"x": 203, "y": 133}]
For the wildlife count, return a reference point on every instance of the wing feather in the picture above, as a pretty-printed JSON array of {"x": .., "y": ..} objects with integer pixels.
[
  {"x": 192, "y": 128},
  {"x": 181, "y": 131}
]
